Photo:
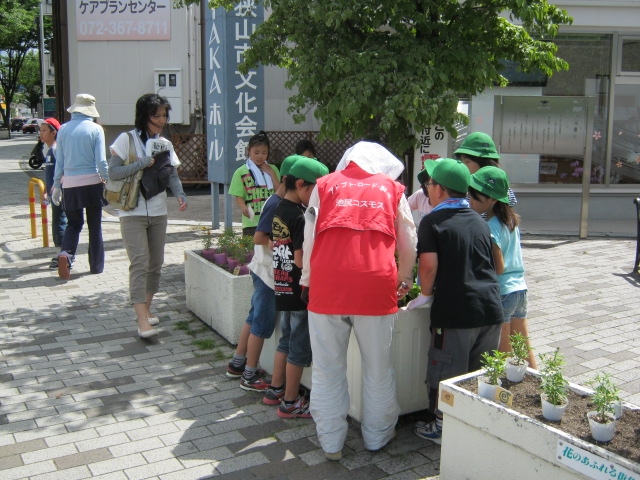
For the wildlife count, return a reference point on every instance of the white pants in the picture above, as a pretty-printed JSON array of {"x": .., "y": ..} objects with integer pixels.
[{"x": 330, "y": 395}]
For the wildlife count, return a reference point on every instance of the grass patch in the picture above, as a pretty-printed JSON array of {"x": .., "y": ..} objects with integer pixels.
[{"x": 204, "y": 343}]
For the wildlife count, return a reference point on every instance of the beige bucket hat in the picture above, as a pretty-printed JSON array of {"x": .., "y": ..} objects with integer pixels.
[{"x": 85, "y": 104}]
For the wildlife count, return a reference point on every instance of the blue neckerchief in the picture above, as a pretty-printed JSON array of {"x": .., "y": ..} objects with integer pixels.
[{"x": 452, "y": 203}]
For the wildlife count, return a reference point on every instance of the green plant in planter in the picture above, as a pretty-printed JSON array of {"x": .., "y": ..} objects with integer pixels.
[
  {"x": 553, "y": 383},
  {"x": 605, "y": 394},
  {"x": 207, "y": 240},
  {"x": 227, "y": 240},
  {"x": 520, "y": 349},
  {"x": 493, "y": 364},
  {"x": 247, "y": 244}
]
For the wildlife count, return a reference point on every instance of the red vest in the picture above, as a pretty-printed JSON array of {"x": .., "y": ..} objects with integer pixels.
[
  {"x": 353, "y": 198},
  {"x": 353, "y": 270}
]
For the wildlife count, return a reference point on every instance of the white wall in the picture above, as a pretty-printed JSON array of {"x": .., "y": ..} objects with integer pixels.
[{"x": 117, "y": 73}]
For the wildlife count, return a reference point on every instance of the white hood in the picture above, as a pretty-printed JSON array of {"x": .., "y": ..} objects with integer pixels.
[{"x": 372, "y": 158}]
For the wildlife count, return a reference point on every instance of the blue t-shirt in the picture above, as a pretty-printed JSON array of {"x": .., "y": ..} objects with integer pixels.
[
  {"x": 512, "y": 279},
  {"x": 268, "y": 211}
]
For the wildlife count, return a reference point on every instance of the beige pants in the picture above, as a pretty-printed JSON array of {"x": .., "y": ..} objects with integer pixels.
[{"x": 144, "y": 239}]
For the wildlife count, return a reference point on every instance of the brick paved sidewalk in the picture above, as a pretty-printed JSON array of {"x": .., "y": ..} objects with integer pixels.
[{"x": 82, "y": 397}]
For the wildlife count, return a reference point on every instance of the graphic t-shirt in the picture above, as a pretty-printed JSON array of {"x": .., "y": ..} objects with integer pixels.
[
  {"x": 243, "y": 185},
  {"x": 288, "y": 236}
]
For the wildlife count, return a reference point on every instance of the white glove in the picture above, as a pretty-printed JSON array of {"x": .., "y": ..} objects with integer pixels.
[
  {"x": 420, "y": 301},
  {"x": 56, "y": 196}
]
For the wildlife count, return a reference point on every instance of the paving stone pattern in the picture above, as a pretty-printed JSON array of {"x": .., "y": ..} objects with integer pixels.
[{"x": 82, "y": 397}]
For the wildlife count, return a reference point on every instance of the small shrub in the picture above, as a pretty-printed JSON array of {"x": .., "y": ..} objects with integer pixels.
[
  {"x": 554, "y": 385},
  {"x": 519, "y": 347},
  {"x": 605, "y": 394},
  {"x": 493, "y": 364}
]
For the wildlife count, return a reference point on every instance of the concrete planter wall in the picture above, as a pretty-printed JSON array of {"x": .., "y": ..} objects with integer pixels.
[
  {"x": 218, "y": 298},
  {"x": 410, "y": 346},
  {"x": 496, "y": 442}
]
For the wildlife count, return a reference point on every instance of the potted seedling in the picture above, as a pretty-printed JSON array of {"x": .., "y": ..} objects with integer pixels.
[
  {"x": 207, "y": 241},
  {"x": 554, "y": 396},
  {"x": 225, "y": 244},
  {"x": 247, "y": 246},
  {"x": 517, "y": 363},
  {"x": 602, "y": 421},
  {"x": 493, "y": 364}
]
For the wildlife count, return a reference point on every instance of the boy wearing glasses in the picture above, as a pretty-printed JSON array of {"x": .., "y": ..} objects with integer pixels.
[{"x": 458, "y": 279}]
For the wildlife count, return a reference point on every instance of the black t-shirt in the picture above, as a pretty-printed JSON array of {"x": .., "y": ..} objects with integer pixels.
[
  {"x": 466, "y": 290},
  {"x": 288, "y": 236}
]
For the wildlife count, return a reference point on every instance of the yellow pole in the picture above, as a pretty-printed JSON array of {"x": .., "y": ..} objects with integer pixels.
[{"x": 32, "y": 210}]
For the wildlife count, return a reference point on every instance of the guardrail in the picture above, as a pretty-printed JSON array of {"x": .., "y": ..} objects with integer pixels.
[{"x": 32, "y": 210}]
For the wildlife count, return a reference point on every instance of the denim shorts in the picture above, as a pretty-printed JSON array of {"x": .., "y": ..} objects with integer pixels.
[
  {"x": 295, "y": 342},
  {"x": 262, "y": 316},
  {"x": 514, "y": 305}
]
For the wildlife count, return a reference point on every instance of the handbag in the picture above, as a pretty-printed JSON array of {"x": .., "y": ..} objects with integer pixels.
[{"x": 123, "y": 194}]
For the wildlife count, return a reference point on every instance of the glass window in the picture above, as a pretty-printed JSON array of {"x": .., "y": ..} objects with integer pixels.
[
  {"x": 589, "y": 58},
  {"x": 625, "y": 149},
  {"x": 630, "y": 55}
]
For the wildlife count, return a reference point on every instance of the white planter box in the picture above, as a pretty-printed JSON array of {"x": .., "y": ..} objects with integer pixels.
[
  {"x": 410, "y": 346},
  {"x": 218, "y": 298},
  {"x": 484, "y": 440}
]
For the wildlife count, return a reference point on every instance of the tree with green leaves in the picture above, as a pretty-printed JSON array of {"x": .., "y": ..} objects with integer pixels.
[
  {"x": 19, "y": 34},
  {"x": 388, "y": 69},
  {"x": 30, "y": 80}
]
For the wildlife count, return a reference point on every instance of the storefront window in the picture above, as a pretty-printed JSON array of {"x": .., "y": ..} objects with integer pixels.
[
  {"x": 625, "y": 148},
  {"x": 589, "y": 58}
]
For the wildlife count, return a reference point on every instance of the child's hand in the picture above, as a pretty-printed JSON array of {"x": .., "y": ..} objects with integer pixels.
[{"x": 245, "y": 211}]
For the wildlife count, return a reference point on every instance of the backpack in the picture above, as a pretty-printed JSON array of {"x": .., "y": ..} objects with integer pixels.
[{"x": 123, "y": 194}]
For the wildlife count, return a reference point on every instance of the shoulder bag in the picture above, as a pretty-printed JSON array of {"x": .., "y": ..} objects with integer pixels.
[{"x": 123, "y": 194}]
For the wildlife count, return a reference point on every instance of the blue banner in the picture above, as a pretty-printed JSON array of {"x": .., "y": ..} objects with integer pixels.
[{"x": 235, "y": 101}]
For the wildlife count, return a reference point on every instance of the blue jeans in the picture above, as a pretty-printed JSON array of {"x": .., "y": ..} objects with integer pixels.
[
  {"x": 262, "y": 316},
  {"x": 295, "y": 341},
  {"x": 514, "y": 305},
  {"x": 58, "y": 224}
]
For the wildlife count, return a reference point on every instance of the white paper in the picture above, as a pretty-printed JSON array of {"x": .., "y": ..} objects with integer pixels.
[
  {"x": 157, "y": 145},
  {"x": 251, "y": 214}
]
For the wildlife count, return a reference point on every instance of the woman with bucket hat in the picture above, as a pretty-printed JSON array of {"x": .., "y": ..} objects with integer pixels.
[
  {"x": 488, "y": 194},
  {"x": 81, "y": 169}
]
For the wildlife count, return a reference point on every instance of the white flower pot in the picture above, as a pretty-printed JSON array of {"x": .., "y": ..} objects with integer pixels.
[
  {"x": 218, "y": 298},
  {"x": 602, "y": 432},
  {"x": 617, "y": 409},
  {"x": 515, "y": 373},
  {"x": 550, "y": 411},
  {"x": 478, "y": 435},
  {"x": 486, "y": 390}
]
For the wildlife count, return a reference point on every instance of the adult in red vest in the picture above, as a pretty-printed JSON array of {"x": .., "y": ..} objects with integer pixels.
[{"x": 357, "y": 218}]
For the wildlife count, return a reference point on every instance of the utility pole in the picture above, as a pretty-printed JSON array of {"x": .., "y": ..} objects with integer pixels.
[{"x": 43, "y": 78}]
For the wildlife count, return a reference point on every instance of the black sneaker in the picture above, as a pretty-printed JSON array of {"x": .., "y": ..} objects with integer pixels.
[
  {"x": 299, "y": 409},
  {"x": 235, "y": 372},
  {"x": 54, "y": 264},
  {"x": 273, "y": 397},
  {"x": 255, "y": 383}
]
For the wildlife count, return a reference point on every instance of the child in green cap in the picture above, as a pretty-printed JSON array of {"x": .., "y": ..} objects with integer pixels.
[
  {"x": 458, "y": 277},
  {"x": 294, "y": 348},
  {"x": 488, "y": 193},
  {"x": 477, "y": 151}
]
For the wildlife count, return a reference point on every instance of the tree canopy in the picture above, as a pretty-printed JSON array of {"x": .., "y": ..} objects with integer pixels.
[
  {"x": 387, "y": 69},
  {"x": 18, "y": 35}
]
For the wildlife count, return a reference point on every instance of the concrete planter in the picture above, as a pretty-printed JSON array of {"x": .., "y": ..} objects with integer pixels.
[
  {"x": 496, "y": 442},
  {"x": 218, "y": 298},
  {"x": 410, "y": 346}
]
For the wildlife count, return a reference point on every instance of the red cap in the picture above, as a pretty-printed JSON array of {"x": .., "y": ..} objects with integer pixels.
[{"x": 53, "y": 122}]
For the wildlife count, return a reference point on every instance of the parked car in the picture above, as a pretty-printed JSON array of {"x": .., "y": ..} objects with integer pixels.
[
  {"x": 16, "y": 124},
  {"x": 32, "y": 125}
]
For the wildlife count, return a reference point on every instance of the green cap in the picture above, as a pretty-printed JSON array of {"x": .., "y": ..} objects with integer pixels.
[
  {"x": 308, "y": 169},
  {"x": 492, "y": 182},
  {"x": 449, "y": 173},
  {"x": 423, "y": 175},
  {"x": 480, "y": 145},
  {"x": 287, "y": 163}
]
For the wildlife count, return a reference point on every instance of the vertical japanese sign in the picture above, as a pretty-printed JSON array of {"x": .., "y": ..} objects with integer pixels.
[
  {"x": 235, "y": 101},
  {"x": 433, "y": 143},
  {"x": 123, "y": 20}
]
